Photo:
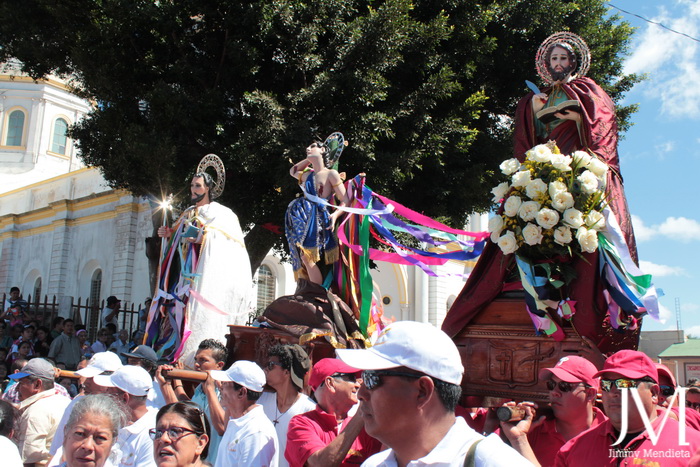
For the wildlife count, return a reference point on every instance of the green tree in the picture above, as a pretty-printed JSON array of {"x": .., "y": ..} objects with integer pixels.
[{"x": 422, "y": 89}]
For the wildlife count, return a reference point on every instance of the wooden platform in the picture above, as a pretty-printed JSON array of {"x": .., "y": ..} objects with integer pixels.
[
  {"x": 252, "y": 343},
  {"x": 502, "y": 356}
]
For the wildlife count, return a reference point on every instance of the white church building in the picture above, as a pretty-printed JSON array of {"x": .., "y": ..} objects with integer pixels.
[{"x": 64, "y": 232}]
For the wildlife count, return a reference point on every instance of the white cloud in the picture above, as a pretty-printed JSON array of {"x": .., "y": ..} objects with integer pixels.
[
  {"x": 679, "y": 229},
  {"x": 660, "y": 270},
  {"x": 689, "y": 307},
  {"x": 664, "y": 148},
  {"x": 641, "y": 232},
  {"x": 693, "y": 331},
  {"x": 670, "y": 60},
  {"x": 664, "y": 314}
]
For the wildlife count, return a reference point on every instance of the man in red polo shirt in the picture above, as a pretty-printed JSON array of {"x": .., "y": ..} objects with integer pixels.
[
  {"x": 328, "y": 435},
  {"x": 572, "y": 392},
  {"x": 624, "y": 372}
]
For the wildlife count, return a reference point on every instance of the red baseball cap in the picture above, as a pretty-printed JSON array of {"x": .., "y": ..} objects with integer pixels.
[
  {"x": 662, "y": 370},
  {"x": 327, "y": 367},
  {"x": 572, "y": 369},
  {"x": 630, "y": 364}
]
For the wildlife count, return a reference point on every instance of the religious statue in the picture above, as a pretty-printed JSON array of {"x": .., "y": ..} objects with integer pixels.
[
  {"x": 204, "y": 281},
  {"x": 308, "y": 224},
  {"x": 576, "y": 114}
]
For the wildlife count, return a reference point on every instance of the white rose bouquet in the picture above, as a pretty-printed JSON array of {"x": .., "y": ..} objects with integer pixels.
[
  {"x": 551, "y": 204},
  {"x": 549, "y": 211}
]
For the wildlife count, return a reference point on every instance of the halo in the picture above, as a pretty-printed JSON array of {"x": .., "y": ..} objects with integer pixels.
[
  {"x": 335, "y": 144},
  {"x": 209, "y": 161},
  {"x": 583, "y": 54}
]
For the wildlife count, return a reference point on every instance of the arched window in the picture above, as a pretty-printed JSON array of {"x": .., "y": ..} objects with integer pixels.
[
  {"x": 95, "y": 287},
  {"x": 37, "y": 290},
  {"x": 60, "y": 131},
  {"x": 15, "y": 128},
  {"x": 266, "y": 287}
]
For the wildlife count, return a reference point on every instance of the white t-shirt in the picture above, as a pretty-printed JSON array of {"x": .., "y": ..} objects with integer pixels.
[
  {"x": 135, "y": 443},
  {"x": 452, "y": 449},
  {"x": 10, "y": 453},
  {"x": 105, "y": 312},
  {"x": 281, "y": 420},
  {"x": 249, "y": 440}
]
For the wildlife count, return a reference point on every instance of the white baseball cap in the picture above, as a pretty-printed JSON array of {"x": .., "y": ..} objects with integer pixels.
[
  {"x": 244, "y": 372},
  {"x": 419, "y": 346},
  {"x": 131, "y": 379},
  {"x": 99, "y": 363}
]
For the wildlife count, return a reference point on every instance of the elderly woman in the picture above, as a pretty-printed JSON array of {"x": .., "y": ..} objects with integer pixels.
[
  {"x": 181, "y": 435},
  {"x": 92, "y": 430}
]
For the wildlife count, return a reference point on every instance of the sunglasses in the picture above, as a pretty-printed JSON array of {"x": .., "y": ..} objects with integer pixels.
[
  {"x": 667, "y": 391},
  {"x": 349, "y": 377},
  {"x": 372, "y": 379},
  {"x": 692, "y": 405},
  {"x": 174, "y": 433},
  {"x": 562, "y": 385},
  {"x": 271, "y": 365},
  {"x": 620, "y": 383}
]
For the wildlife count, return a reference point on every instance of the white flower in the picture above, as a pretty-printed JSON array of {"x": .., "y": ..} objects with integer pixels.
[
  {"x": 536, "y": 188},
  {"x": 589, "y": 182},
  {"x": 500, "y": 191},
  {"x": 598, "y": 167},
  {"x": 563, "y": 201},
  {"x": 528, "y": 210},
  {"x": 540, "y": 153},
  {"x": 547, "y": 218},
  {"x": 508, "y": 243},
  {"x": 573, "y": 218},
  {"x": 562, "y": 235},
  {"x": 595, "y": 220},
  {"x": 581, "y": 158},
  {"x": 561, "y": 162},
  {"x": 510, "y": 166},
  {"x": 556, "y": 187},
  {"x": 521, "y": 178},
  {"x": 588, "y": 239},
  {"x": 512, "y": 205},
  {"x": 496, "y": 224},
  {"x": 532, "y": 234}
]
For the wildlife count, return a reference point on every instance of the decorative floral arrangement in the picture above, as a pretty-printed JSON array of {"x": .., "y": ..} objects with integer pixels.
[
  {"x": 552, "y": 209},
  {"x": 552, "y": 205}
]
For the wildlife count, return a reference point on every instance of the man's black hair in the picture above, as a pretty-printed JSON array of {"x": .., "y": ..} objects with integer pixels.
[{"x": 218, "y": 350}]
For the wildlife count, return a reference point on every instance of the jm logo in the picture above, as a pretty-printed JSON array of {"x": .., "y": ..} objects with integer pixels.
[{"x": 653, "y": 436}]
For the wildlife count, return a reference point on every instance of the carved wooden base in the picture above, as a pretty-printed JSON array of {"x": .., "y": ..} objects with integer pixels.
[{"x": 502, "y": 356}]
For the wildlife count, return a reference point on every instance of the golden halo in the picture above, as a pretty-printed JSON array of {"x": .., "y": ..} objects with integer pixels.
[
  {"x": 583, "y": 54},
  {"x": 207, "y": 162}
]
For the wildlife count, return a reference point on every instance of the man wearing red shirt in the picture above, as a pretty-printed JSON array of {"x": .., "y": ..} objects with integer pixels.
[
  {"x": 623, "y": 372},
  {"x": 327, "y": 435},
  {"x": 572, "y": 392}
]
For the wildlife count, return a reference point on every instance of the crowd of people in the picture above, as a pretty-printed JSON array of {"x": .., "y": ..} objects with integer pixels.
[{"x": 393, "y": 404}]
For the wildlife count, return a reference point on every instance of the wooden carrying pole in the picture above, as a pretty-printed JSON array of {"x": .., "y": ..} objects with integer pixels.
[{"x": 185, "y": 375}]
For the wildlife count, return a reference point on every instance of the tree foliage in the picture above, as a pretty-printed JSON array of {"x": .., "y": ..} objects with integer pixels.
[{"x": 422, "y": 89}]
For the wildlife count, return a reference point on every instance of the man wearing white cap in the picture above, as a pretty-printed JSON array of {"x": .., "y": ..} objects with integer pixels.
[
  {"x": 411, "y": 385},
  {"x": 250, "y": 437},
  {"x": 131, "y": 384},
  {"x": 102, "y": 363}
]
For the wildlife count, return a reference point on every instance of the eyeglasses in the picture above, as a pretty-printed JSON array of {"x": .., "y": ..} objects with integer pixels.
[
  {"x": 620, "y": 383},
  {"x": 174, "y": 433},
  {"x": 667, "y": 391},
  {"x": 270, "y": 365},
  {"x": 692, "y": 405},
  {"x": 373, "y": 378},
  {"x": 563, "y": 385}
]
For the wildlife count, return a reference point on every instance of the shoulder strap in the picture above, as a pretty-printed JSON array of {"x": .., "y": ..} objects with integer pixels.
[{"x": 470, "y": 459}]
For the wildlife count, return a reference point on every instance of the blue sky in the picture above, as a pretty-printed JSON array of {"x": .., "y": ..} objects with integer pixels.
[{"x": 660, "y": 155}]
